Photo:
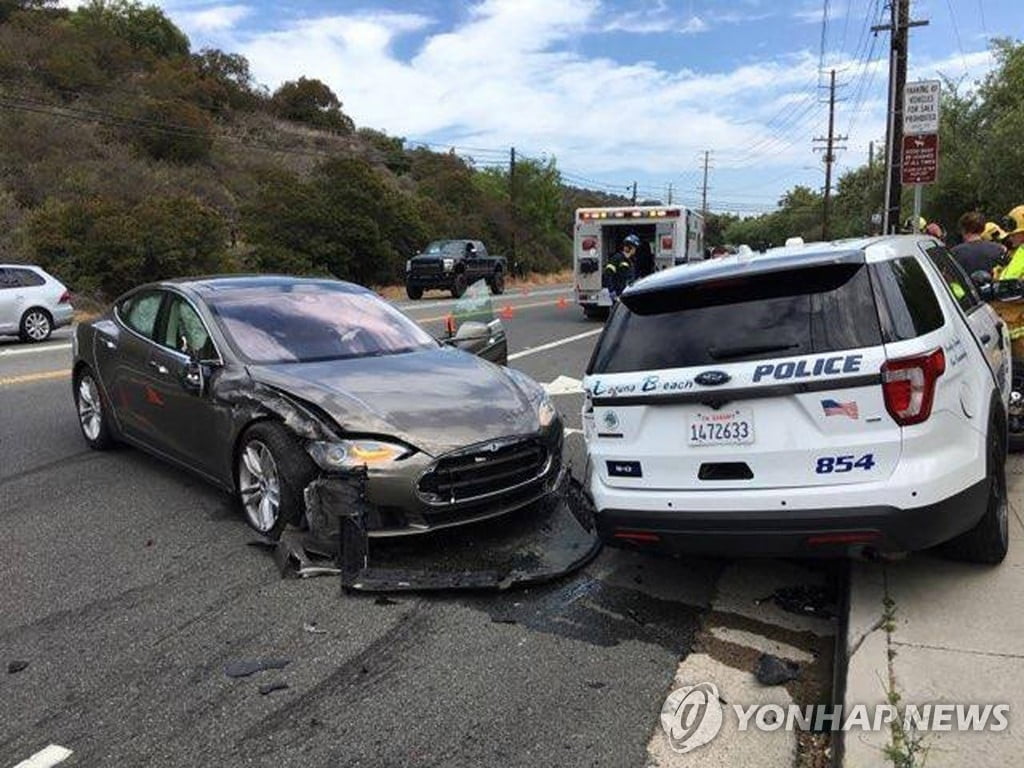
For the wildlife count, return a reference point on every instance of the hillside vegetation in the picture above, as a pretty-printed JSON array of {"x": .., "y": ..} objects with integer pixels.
[{"x": 126, "y": 156}]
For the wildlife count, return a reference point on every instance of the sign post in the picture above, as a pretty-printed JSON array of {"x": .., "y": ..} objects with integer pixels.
[{"x": 920, "y": 139}]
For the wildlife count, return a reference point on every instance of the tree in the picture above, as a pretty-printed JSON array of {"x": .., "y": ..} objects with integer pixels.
[
  {"x": 105, "y": 246},
  {"x": 143, "y": 28},
  {"x": 310, "y": 101},
  {"x": 175, "y": 131},
  {"x": 9, "y": 7},
  {"x": 228, "y": 78}
]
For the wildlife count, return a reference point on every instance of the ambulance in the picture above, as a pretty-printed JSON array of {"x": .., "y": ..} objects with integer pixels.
[{"x": 674, "y": 234}]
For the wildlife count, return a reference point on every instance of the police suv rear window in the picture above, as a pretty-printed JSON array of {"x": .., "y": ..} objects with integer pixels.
[{"x": 779, "y": 314}]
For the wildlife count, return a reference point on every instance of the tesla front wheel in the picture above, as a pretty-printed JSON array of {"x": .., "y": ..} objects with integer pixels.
[{"x": 272, "y": 471}]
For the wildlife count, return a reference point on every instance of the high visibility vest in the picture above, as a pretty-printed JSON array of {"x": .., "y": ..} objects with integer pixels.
[{"x": 1015, "y": 269}]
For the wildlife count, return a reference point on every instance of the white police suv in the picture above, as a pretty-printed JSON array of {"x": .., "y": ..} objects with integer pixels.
[{"x": 822, "y": 399}]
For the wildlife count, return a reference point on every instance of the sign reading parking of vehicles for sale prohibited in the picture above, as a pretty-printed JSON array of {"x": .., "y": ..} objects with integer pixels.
[
  {"x": 921, "y": 132},
  {"x": 921, "y": 106}
]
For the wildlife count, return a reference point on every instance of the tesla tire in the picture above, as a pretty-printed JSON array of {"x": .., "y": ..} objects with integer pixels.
[
  {"x": 271, "y": 472},
  {"x": 93, "y": 411}
]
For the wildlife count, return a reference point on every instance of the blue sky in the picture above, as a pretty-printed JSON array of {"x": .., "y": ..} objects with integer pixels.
[{"x": 617, "y": 90}]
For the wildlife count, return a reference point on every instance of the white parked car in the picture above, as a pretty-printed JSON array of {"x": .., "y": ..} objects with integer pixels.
[
  {"x": 32, "y": 302},
  {"x": 820, "y": 399}
]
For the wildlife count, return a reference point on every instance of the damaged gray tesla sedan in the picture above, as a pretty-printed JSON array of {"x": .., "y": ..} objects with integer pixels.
[{"x": 280, "y": 389}]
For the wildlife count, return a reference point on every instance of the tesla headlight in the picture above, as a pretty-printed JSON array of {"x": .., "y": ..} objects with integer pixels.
[
  {"x": 349, "y": 454},
  {"x": 546, "y": 412},
  {"x": 449, "y": 264}
]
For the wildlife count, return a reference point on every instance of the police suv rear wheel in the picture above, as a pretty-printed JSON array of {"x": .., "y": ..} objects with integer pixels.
[{"x": 988, "y": 541}]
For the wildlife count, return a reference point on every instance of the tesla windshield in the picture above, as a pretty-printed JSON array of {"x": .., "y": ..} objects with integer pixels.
[{"x": 316, "y": 321}]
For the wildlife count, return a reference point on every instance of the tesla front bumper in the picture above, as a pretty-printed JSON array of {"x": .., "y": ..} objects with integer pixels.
[{"x": 420, "y": 494}]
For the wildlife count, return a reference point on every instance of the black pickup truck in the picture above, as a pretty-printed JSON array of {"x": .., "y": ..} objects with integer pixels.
[{"x": 454, "y": 265}]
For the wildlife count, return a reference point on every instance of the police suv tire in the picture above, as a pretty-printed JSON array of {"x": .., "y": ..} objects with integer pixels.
[
  {"x": 295, "y": 470},
  {"x": 414, "y": 292},
  {"x": 988, "y": 541},
  {"x": 459, "y": 285}
]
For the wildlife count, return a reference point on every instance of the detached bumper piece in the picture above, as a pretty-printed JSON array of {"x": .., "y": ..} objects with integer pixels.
[{"x": 538, "y": 543}]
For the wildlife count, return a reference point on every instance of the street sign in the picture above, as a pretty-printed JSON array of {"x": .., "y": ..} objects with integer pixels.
[
  {"x": 920, "y": 159},
  {"x": 921, "y": 106}
]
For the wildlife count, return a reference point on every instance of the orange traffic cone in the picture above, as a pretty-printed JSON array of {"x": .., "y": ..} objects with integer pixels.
[
  {"x": 507, "y": 312},
  {"x": 449, "y": 324},
  {"x": 562, "y": 303}
]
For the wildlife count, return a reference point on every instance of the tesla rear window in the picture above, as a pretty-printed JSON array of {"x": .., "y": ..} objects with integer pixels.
[
  {"x": 781, "y": 314},
  {"x": 315, "y": 321}
]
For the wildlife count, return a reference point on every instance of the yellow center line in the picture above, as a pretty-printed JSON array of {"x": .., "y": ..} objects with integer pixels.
[{"x": 28, "y": 378}]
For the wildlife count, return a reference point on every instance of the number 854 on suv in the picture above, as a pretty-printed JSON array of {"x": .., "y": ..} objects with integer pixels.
[{"x": 821, "y": 399}]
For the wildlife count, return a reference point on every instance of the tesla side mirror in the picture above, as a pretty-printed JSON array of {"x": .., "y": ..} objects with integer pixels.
[
  {"x": 473, "y": 331},
  {"x": 193, "y": 377},
  {"x": 986, "y": 291}
]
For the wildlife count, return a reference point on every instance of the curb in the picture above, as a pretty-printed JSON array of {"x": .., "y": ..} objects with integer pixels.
[{"x": 866, "y": 666}]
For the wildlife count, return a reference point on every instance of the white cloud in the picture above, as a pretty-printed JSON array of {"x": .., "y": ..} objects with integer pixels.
[
  {"x": 216, "y": 18},
  {"x": 512, "y": 74}
]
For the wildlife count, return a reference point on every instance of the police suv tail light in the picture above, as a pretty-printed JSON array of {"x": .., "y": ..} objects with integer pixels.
[{"x": 909, "y": 386}]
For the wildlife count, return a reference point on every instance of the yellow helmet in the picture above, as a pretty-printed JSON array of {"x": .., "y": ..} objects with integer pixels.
[
  {"x": 1014, "y": 221},
  {"x": 992, "y": 231}
]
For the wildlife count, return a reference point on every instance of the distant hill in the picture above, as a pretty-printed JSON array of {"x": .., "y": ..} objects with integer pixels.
[{"x": 125, "y": 156}]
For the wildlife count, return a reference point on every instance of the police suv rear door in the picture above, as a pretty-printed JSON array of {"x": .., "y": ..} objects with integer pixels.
[{"x": 759, "y": 378}]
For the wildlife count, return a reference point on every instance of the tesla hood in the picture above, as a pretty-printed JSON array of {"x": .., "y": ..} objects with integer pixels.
[{"x": 437, "y": 400}]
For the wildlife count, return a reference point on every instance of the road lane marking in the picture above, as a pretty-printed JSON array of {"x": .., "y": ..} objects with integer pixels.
[
  {"x": 29, "y": 378},
  {"x": 35, "y": 350},
  {"x": 497, "y": 311},
  {"x": 554, "y": 344},
  {"x": 563, "y": 385},
  {"x": 509, "y": 295},
  {"x": 46, "y": 758}
]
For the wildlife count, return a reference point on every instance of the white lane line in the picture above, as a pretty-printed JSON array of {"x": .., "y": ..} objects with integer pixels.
[
  {"x": 554, "y": 344},
  {"x": 563, "y": 385},
  {"x": 509, "y": 296},
  {"x": 35, "y": 350},
  {"x": 46, "y": 758}
]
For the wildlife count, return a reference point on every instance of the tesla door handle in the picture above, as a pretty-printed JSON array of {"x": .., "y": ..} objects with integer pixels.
[
  {"x": 986, "y": 338},
  {"x": 160, "y": 367}
]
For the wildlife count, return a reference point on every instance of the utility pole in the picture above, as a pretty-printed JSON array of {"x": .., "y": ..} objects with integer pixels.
[
  {"x": 512, "y": 204},
  {"x": 633, "y": 198},
  {"x": 871, "y": 160},
  {"x": 704, "y": 186},
  {"x": 899, "y": 27},
  {"x": 830, "y": 148},
  {"x": 670, "y": 193}
]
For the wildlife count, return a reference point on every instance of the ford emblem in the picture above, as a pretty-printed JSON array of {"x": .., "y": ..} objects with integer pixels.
[{"x": 712, "y": 378}]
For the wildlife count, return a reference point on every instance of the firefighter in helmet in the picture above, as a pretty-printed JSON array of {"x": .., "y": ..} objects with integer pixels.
[
  {"x": 1013, "y": 225},
  {"x": 618, "y": 272}
]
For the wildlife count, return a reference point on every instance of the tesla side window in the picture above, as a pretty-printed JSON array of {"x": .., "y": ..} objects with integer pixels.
[
  {"x": 313, "y": 321},
  {"x": 139, "y": 312},
  {"x": 185, "y": 332}
]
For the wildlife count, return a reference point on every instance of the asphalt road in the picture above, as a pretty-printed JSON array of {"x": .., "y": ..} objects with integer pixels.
[{"x": 129, "y": 585}]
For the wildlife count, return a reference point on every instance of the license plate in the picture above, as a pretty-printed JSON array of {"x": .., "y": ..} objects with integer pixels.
[{"x": 733, "y": 426}]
